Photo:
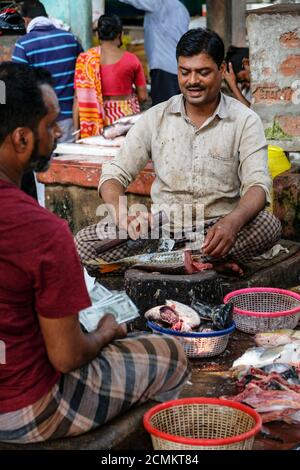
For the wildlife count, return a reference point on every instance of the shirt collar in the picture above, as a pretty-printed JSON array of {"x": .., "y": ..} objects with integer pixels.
[{"x": 177, "y": 107}]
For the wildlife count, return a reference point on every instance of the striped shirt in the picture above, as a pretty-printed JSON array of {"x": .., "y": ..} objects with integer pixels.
[
  {"x": 55, "y": 50},
  {"x": 165, "y": 22}
]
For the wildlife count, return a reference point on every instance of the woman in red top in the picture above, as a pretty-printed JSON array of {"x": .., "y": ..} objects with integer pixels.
[{"x": 110, "y": 82}]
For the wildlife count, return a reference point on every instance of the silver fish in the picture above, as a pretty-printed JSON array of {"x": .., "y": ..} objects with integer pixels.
[
  {"x": 102, "y": 141},
  {"x": 150, "y": 261},
  {"x": 121, "y": 126},
  {"x": 170, "y": 262},
  {"x": 261, "y": 357},
  {"x": 276, "y": 338}
]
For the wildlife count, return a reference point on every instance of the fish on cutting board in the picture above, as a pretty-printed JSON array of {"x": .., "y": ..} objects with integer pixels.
[
  {"x": 174, "y": 261},
  {"x": 276, "y": 338}
]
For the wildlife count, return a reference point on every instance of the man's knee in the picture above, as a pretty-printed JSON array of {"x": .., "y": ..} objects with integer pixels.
[{"x": 271, "y": 225}]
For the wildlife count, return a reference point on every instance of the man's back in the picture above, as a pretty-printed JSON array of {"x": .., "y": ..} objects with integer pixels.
[
  {"x": 165, "y": 22},
  {"x": 57, "y": 51}
]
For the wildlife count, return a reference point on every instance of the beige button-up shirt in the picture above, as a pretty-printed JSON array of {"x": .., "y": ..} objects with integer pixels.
[{"x": 214, "y": 165}]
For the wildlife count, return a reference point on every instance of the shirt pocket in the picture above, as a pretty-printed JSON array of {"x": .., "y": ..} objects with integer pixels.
[{"x": 224, "y": 156}]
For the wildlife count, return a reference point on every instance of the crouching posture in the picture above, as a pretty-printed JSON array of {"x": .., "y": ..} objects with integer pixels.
[{"x": 207, "y": 149}]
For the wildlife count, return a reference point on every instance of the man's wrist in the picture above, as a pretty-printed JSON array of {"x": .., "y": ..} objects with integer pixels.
[{"x": 236, "y": 220}]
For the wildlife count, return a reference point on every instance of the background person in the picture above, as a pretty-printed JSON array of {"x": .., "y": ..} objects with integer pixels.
[
  {"x": 237, "y": 74},
  {"x": 110, "y": 82},
  {"x": 165, "y": 22},
  {"x": 46, "y": 46}
]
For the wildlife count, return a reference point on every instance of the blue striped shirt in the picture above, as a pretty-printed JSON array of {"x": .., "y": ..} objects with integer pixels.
[
  {"x": 165, "y": 22},
  {"x": 55, "y": 50}
]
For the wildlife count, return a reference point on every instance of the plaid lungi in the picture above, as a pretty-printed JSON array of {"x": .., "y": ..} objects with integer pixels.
[
  {"x": 254, "y": 239},
  {"x": 127, "y": 372}
]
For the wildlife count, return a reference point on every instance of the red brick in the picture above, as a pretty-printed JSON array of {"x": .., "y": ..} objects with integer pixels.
[
  {"x": 290, "y": 125},
  {"x": 272, "y": 94},
  {"x": 290, "y": 39},
  {"x": 87, "y": 175},
  {"x": 291, "y": 66}
]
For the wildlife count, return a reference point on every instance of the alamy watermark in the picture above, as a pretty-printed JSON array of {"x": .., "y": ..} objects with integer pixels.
[
  {"x": 162, "y": 221},
  {"x": 2, "y": 92}
]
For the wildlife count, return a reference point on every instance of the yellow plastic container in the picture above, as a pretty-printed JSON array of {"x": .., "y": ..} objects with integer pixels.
[{"x": 278, "y": 161}]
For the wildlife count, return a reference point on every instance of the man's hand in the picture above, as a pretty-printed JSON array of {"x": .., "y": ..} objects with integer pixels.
[
  {"x": 230, "y": 77},
  {"x": 221, "y": 237},
  {"x": 137, "y": 226},
  {"x": 110, "y": 329}
]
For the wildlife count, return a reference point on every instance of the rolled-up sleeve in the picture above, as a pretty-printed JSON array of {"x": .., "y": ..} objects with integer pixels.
[
  {"x": 133, "y": 155},
  {"x": 253, "y": 150}
]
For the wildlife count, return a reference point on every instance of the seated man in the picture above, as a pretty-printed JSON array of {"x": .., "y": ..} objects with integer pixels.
[
  {"x": 206, "y": 149},
  {"x": 57, "y": 381}
]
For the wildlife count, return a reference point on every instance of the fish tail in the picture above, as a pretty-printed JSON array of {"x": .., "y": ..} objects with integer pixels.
[{"x": 109, "y": 268}]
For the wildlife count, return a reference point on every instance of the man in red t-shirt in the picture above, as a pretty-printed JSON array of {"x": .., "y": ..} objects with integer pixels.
[{"x": 55, "y": 380}]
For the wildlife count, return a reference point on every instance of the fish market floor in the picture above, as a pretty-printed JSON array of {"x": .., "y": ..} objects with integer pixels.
[{"x": 209, "y": 378}]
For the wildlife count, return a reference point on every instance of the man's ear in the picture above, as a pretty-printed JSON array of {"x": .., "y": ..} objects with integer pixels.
[
  {"x": 223, "y": 67},
  {"x": 22, "y": 140}
]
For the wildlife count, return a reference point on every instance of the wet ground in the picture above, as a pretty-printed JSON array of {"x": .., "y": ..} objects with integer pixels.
[{"x": 211, "y": 378}]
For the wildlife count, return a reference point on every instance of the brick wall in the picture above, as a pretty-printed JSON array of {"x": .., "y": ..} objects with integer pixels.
[{"x": 274, "y": 39}]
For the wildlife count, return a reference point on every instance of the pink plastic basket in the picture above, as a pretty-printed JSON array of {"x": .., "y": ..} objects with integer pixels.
[
  {"x": 202, "y": 424},
  {"x": 262, "y": 309}
]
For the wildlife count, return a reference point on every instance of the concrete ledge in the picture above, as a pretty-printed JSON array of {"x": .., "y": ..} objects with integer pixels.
[{"x": 85, "y": 172}]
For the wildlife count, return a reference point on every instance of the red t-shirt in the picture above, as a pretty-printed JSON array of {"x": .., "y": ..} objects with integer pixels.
[
  {"x": 40, "y": 273},
  {"x": 118, "y": 79}
]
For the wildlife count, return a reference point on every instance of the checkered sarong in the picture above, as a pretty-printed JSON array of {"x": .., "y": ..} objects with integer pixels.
[
  {"x": 257, "y": 237},
  {"x": 254, "y": 239},
  {"x": 127, "y": 372}
]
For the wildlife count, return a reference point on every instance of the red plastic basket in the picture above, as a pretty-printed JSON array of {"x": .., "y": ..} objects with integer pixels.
[
  {"x": 202, "y": 424},
  {"x": 262, "y": 309}
]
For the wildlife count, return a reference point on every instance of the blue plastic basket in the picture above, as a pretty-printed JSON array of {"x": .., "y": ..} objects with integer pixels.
[{"x": 198, "y": 344}]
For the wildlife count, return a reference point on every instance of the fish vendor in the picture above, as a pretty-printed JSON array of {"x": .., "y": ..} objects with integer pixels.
[
  {"x": 56, "y": 380},
  {"x": 206, "y": 148}
]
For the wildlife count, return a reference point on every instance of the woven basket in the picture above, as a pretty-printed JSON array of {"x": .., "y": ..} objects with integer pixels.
[
  {"x": 261, "y": 309},
  {"x": 198, "y": 344},
  {"x": 202, "y": 424}
]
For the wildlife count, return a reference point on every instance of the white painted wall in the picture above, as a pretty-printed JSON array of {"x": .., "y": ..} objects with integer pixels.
[{"x": 98, "y": 9}]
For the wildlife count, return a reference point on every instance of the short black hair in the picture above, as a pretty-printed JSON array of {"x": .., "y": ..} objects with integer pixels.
[
  {"x": 32, "y": 9},
  {"x": 109, "y": 27},
  {"x": 24, "y": 104},
  {"x": 199, "y": 40},
  {"x": 235, "y": 55}
]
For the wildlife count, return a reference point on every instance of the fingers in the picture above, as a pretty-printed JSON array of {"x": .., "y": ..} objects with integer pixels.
[
  {"x": 218, "y": 242},
  {"x": 138, "y": 227},
  {"x": 122, "y": 331}
]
